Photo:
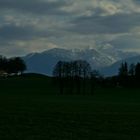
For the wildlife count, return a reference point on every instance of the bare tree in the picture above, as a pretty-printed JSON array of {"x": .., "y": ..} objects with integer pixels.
[{"x": 73, "y": 72}]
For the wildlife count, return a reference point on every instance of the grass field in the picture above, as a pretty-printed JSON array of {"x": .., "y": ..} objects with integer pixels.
[{"x": 30, "y": 110}]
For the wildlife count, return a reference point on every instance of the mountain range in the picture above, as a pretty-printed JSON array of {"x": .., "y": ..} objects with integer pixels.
[{"x": 107, "y": 60}]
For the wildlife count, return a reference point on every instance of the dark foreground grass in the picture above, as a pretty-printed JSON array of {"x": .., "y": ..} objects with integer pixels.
[{"x": 32, "y": 113}]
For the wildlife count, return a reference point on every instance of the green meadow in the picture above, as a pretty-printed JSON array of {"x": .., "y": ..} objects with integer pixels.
[{"x": 32, "y": 109}]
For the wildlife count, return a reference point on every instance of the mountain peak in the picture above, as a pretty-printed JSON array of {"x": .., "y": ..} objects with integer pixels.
[{"x": 44, "y": 62}]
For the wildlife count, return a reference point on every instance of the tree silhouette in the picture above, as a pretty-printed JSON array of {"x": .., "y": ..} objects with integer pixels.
[
  {"x": 132, "y": 70},
  {"x": 11, "y": 66},
  {"x": 123, "y": 70},
  {"x": 137, "y": 70},
  {"x": 20, "y": 66},
  {"x": 3, "y": 62},
  {"x": 72, "y": 74},
  {"x": 15, "y": 66},
  {"x": 58, "y": 74},
  {"x": 3, "y": 65}
]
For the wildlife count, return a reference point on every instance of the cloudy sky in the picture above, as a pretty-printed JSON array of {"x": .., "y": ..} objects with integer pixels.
[{"x": 37, "y": 25}]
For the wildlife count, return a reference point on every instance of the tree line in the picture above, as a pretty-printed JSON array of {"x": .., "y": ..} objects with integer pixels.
[
  {"x": 74, "y": 77},
  {"x": 78, "y": 68},
  {"x": 129, "y": 70},
  {"x": 78, "y": 77},
  {"x": 129, "y": 75},
  {"x": 11, "y": 66}
]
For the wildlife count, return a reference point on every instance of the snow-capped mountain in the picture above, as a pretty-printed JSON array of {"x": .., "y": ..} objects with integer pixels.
[
  {"x": 44, "y": 62},
  {"x": 116, "y": 54}
]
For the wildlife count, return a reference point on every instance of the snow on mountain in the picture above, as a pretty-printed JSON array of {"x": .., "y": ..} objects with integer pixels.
[
  {"x": 44, "y": 62},
  {"x": 116, "y": 54}
]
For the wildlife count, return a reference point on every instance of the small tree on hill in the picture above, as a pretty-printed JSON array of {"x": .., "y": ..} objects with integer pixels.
[
  {"x": 137, "y": 70},
  {"x": 3, "y": 63},
  {"x": 20, "y": 65},
  {"x": 132, "y": 70},
  {"x": 123, "y": 70}
]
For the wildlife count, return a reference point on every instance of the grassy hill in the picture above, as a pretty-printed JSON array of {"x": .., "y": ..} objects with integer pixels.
[
  {"x": 27, "y": 83},
  {"x": 30, "y": 110}
]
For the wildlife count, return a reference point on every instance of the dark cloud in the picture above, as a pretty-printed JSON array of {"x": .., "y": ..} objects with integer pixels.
[
  {"x": 33, "y": 6},
  {"x": 118, "y": 23},
  {"x": 67, "y": 23},
  {"x": 127, "y": 42},
  {"x": 11, "y": 33},
  {"x": 136, "y": 1}
]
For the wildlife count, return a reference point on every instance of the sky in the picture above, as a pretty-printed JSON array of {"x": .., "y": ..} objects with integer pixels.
[{"x": 37, "y": 25}]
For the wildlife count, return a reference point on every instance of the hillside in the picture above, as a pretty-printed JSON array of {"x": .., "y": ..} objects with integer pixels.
[{"x": 31, "y": 82}]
